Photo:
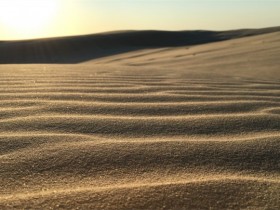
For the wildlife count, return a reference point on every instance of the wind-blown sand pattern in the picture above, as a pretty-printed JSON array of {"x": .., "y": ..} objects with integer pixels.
[{"x": 194, "y": 127}]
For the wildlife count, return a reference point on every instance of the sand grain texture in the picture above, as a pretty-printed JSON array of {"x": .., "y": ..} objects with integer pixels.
[{"x": 194, "y": 127}]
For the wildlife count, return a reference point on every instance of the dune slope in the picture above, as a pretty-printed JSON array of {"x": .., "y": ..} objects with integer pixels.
[
  {"x": 170, "y": 128},
  {"x": 77, "y": 49}
]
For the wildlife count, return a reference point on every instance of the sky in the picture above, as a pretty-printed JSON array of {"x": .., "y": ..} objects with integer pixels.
[{"x": 26, "y": 19}]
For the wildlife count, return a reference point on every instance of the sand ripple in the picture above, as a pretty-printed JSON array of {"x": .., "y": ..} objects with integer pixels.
[{"x": 120, "y": 137}]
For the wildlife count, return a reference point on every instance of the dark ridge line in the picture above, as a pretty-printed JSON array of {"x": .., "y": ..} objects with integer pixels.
[{"x": 76, "y": 49}]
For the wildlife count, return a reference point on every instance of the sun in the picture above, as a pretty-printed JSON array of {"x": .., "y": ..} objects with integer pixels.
[{"x": 27, "y": 16}]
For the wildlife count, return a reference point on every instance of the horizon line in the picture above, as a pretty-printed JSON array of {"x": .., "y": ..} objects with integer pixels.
[{"x": 129, "y": 30}]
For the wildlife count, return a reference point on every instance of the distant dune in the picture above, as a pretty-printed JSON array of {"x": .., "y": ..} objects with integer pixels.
[
  {"x": 160, "y": 127},
  {"x": 82, "y": 48}
]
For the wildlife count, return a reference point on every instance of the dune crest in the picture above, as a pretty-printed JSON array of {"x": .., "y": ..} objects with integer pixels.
[{"x": 77, "y": 49}]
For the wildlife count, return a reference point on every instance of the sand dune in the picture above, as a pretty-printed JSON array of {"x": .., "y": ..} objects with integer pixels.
[
  {"x": 83, "y": 48},
  {"x": 194, "y": 127}
]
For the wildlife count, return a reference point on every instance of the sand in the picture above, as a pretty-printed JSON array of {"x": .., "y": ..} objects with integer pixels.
[
  {"x": 77, "y": 49},
  {"x": 189, "y": 127}
]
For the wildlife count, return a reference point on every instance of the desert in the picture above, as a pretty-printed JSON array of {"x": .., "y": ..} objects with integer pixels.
[{"x": 127, "y": 120}]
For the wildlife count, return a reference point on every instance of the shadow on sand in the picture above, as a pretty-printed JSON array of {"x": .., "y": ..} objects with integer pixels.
[{"x": 79, "y": 49}]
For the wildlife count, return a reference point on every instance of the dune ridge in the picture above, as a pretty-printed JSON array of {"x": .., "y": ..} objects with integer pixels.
[
  {"x": 172, "y": 128},
  {"x": 79, "y": 49}
]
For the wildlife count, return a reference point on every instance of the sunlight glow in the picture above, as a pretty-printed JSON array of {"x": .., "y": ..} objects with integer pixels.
[
  {"x": 27, "y": 16},
  {"x": 31, "y": 19}
]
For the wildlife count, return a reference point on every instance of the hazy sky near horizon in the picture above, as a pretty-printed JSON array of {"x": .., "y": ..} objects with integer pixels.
[{"x": 23, "y": 19}]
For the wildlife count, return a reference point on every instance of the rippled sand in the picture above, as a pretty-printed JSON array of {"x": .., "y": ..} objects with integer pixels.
[{"x": 173, "y": 128}]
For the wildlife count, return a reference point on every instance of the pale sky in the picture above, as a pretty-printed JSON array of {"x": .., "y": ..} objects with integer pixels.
[{"x": 24, "y": 19}]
